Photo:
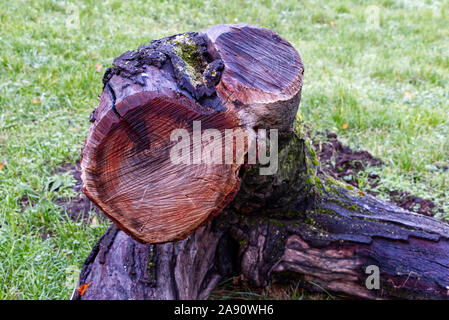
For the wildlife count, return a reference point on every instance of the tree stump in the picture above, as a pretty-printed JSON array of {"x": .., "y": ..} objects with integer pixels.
[{"x": 185, "y": 225}]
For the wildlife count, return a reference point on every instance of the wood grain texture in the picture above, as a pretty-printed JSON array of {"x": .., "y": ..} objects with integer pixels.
[
  {"x": 166, "y": 85},
  {"x": 263, "y": 76}
]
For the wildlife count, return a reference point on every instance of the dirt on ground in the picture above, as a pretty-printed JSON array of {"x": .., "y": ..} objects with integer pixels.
[
  {"x": 79, "y": 206},
  {"x": 343, "y": 163}
]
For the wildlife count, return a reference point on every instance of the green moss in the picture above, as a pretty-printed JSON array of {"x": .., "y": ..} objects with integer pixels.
[
  {"x": 334, "y": 186},
  {"x": 313, "y": 155},
  {"x": 318, "y": 182},
  {"x": 353, "y": 207},
  {"x": 151, "y": 271},
  {"x": 291, "y": 160},
  {"x": 253, "y": 222},
  {"x": 277, "y": 222},
  {"x": 188, "y": 51},
  {"x": 292, "y": 214},
  {"x": 309, "y": 221}
]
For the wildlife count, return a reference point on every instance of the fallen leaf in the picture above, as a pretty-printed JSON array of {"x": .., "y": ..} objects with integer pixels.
[
  {"x": 408, "y": 95},
  {"x": 83, "y": 288},
  {"x": 344, "y": 126},
  {"x": 98, "y": 67},
  {"x": 36, "y": 100}
]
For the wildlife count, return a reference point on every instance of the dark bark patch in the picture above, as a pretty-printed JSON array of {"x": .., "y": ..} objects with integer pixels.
[{"x": 193, "y": 67}]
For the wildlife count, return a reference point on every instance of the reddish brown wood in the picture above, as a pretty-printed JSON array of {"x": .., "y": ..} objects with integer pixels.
[{"x": 263, "y": 76}]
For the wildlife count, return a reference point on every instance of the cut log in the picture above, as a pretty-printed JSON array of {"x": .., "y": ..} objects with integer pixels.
[
  {"x": 296, "y": 223},
  {"x": 170, "y": 84}
]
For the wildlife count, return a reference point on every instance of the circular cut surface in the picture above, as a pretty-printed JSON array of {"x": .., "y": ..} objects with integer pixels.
[
  {"x": 261, "y": 66},
  {"x": 132, "y": 178}
]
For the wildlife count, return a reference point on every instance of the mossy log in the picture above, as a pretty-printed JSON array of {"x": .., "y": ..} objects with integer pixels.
[{"x": 186, "y": 227}]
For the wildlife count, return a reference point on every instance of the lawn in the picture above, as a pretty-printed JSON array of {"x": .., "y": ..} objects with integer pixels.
[{"x": 375, "y": 74}]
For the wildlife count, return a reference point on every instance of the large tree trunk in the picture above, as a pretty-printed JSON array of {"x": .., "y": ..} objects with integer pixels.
[{"x": 296, "y": 223}]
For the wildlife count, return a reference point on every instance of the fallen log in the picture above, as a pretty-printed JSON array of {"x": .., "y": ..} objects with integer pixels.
[{"x": 187, "y": 224}]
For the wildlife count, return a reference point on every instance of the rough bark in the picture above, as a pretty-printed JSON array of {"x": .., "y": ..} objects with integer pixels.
[{"x": 297, "y": 224}]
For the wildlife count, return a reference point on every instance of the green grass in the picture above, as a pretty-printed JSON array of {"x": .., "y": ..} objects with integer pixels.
[{"x": 388, "y": 84}]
